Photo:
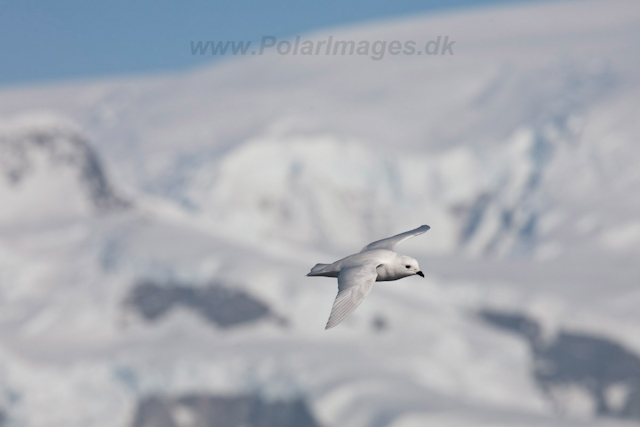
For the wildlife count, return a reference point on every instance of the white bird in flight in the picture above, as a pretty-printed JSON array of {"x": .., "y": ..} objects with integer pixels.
[{"x": 376, "y": 262}]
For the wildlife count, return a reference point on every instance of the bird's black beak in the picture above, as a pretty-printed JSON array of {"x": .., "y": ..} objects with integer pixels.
[{"x": 420, "y": 273}]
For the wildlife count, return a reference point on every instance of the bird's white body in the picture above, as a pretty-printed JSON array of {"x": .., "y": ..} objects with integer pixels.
[
  {"x": 377, "y": 262},
  {"x": 387, "y": 269}
]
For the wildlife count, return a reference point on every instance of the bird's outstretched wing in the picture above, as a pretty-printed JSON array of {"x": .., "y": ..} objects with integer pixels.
[
  {"x": 391, "y": 242},
  {"x": 354, "y": 283}
]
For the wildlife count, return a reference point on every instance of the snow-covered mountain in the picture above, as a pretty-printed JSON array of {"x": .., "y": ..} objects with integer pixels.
[
  {"x": 155, "y": 232},
  {"x": 50, "y": 173}
]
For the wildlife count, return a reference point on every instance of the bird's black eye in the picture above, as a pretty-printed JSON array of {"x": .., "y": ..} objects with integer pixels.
[{"x": 408, "y": 266}]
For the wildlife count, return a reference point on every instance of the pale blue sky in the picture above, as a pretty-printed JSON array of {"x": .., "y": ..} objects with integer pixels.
[{"x": 43, "y": 41}]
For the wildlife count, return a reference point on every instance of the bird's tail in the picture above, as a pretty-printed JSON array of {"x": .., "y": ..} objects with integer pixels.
[{"x": 318, "y": 269}]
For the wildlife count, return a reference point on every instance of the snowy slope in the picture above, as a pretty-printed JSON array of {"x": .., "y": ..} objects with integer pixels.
[{"x": 519, "y": 150}]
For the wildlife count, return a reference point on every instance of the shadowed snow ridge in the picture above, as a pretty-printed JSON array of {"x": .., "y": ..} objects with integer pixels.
[
  {"x": 222, "y": 411},
  {"x": 52, "y": 168},
  {"x": 603, "y": 370},
  {"x": 218, "y": 304}
]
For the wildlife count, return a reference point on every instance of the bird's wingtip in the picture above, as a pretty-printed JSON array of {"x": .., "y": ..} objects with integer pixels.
[{"x": 329, "y": 326}]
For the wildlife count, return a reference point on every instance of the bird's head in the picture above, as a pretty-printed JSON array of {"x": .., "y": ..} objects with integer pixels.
[{"x": 409, "y": 266}]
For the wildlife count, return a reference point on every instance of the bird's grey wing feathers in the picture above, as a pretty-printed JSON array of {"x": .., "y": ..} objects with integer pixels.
[
  {"x": 354, "y": 283},
  {"x": 391, "y": 242}
]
